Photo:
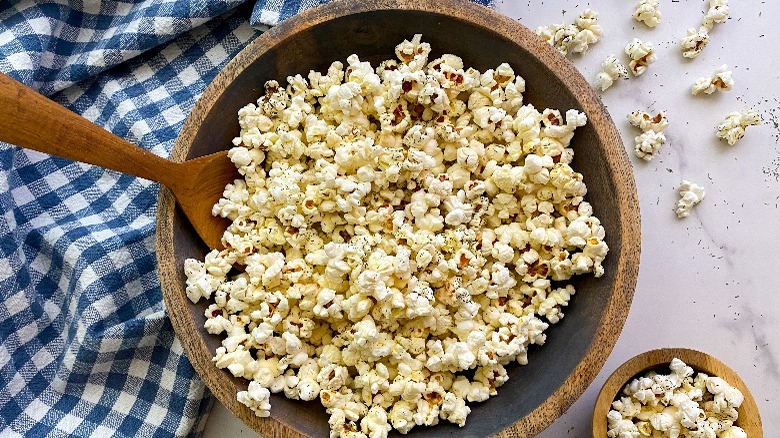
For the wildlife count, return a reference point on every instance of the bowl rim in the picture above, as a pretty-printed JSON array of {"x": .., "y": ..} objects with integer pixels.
[
  {"x": 616, "y": 160},
  {"x": 749, "y": 415}
]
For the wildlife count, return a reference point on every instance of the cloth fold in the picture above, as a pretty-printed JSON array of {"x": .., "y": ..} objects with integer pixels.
[{"x": 86, "y": 347}]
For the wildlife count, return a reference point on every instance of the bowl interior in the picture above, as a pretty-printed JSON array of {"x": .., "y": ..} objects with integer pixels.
[
  {"x": 658, "y": 361},
  {"x": 600, "y": 305}
]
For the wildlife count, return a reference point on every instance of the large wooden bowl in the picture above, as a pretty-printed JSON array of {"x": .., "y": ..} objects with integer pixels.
[
  {"x": 576, "y": 348},
  {"x": 658, "y": 360}
]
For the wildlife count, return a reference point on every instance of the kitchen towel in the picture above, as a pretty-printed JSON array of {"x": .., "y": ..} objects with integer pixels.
[
  {"x": 269, "y": 12},
  {"x": 86, "y": 347}
]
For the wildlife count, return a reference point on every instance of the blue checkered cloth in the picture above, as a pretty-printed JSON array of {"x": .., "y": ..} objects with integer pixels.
[
  {"x": 86, "y": 347},
  {"x": 270, "y": 12}
]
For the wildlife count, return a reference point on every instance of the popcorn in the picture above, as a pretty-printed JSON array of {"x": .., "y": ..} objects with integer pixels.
[
  {"x": 688, "y": 413},
  {"x": 618, "y": 427},
  {"x": 720, "y": 80},
  {"x": 401, "y": 416},
  {"x": 256, "y": 398},
  {"x": 690, "y": 195},
  {"x": 733, "y": 432},
  {"x": 413, "y": 53},
  {"x": 663, "y": 421},
  {"x": 647, "y": 144},
  {"x": 200, "y": 283},
  {"x": 454, "y": 409},
  {"x": 396, "y": 226},
  {"x": 575, "y": 38},
  {"x": 647, "y": 12},
  {"x": 611, "y": 70},
  {"x": 590, "y": 31},
  {"x": 471, "y": 391},
  {"x": 559, "y": 36},
  {"x": 641, "y": 54},
  {"x": 647, "y": 122},
  {"x": 673, "y": 405},
  {"x": 679, "y": 369},
  {"x": 342, "y": 427},
  {"x": 375, "y": 423},
  {"x": 733, "y": 127},
  {"x": 627, "y": 407},
  {"x": 718, "y": 12},
  {"x": 694, "y": 42},
  {"x": 726, "y": 396},
  {"x": 551, "y": 306}
]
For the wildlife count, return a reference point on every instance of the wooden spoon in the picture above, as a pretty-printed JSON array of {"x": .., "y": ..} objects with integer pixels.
[{"x": 32, "y": 121}]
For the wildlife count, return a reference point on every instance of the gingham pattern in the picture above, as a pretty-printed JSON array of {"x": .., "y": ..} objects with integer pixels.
[
  {"x": 270, "y": 12},
  {"x": 51, "y": 45},
  {"x": 86, "y": 348}
]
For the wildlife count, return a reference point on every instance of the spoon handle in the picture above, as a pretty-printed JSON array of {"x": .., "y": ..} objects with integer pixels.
[{"x": 32, "y": 121}]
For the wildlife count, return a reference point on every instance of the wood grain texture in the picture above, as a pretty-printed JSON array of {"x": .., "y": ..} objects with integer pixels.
[
  {"x": 35, "y": 122},
  {"x": 658, "y": 360},
  {"x": 197, "y": 184},
  {"x": 576, "y": 348}
]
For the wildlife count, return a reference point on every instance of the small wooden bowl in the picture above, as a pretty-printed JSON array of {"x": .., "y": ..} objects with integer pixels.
[
  {"x": 658, "y": 360},
  {"x": 576, "y": 348}
]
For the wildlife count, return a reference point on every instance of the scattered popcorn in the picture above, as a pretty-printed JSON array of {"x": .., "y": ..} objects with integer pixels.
[
  {"x": 646, "y": 122},
  {"x": 733, "y": 127},
  {"x": 398, "y": 226},
  {"x": 720, "y": 80},
  {"x": 696, "y": 40},
  {"x": 611, "y": 70},
  {"x": 718, "y": 12},
  {"x": 690, "y": 195},
  {"x": 647, "y": 144},
  {"x": 641, "y": 54},
  {"x": 575, "y": 38},
  {"x": 647, "y": 12},
  {"x": 675, "y": 405}
]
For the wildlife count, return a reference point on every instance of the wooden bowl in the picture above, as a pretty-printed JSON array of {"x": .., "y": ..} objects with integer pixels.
[
  {"x": 576, "y": 348},
  {"x": 658, "y": 360}
]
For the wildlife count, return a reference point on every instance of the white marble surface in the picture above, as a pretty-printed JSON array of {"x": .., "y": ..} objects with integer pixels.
[{"x": 710, "y": 281}]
